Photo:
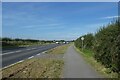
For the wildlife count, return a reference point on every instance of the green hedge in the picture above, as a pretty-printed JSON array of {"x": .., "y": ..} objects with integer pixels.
[
  {"x": 88, "y": 41},
  {"x": 105, "y": 44}
]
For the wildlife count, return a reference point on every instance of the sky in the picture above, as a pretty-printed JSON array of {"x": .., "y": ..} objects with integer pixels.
[{"x": 55, "y": 20}]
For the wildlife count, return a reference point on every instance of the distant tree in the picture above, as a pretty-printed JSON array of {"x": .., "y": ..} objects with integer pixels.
[
  {"x": 88, "y": 41},
  {"x": 6, "y": 39},
  {"x": 17, "y": 39}
]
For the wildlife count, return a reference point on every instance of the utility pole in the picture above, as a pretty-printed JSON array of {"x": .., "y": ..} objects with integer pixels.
[{"x": 82, "y": 38}]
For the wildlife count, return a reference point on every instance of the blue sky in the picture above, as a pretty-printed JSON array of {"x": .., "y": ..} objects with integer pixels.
[{"x": 55, "y": 21}]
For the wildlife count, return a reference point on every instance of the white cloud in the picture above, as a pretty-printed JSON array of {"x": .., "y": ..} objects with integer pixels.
[
  {"x": 110, "y": 17},
  {"x": 44, "y": 26}
]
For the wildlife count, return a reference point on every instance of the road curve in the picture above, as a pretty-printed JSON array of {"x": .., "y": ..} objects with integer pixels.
[
  {"x": 13, "y": 56},
  {"x": 76, "y": 67}
]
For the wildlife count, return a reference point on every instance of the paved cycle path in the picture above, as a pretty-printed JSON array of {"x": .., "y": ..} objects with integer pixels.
[{"x": 76, "y": 67}]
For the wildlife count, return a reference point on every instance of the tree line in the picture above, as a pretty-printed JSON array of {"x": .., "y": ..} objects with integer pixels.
[
  {"x": 105, "y": 44},
  {"x": 17, "y": 42},
  {"x": 5, "y": 39}
]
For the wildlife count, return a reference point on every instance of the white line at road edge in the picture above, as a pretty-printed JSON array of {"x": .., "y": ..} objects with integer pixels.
[
  {"x": 13, "y": 64},
  {"x": 17, "y": 62}
]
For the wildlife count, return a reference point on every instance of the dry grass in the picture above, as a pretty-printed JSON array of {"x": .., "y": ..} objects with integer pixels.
[{"x": 35, "y": 68}]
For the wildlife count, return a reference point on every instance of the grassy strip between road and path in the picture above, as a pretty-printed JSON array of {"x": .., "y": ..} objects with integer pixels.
[
  {"x": 59, "y": 49},
  {"x": 88, "y": 56},
  {"x": 38, "y": 67}
]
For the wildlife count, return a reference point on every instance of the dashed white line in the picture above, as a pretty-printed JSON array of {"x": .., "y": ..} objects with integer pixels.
[
  {"x": 18, "y": 51},
  {"x": 11, "y": 52},
  {"x": 28, "y": 49},
  {"x": 21, "y": 60},
  {"x": 33, "y": 48},
  {"x": 7, "y": 53},
  {"x": 38, "y": 54},
  {"x": 44, "y": 52},
  {"x": 30, "y": 57}
]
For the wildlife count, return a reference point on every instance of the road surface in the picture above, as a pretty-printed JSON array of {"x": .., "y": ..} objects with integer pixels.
[
  {"x": 12, "y": 56},
  {"x": 76, "y": 67}
]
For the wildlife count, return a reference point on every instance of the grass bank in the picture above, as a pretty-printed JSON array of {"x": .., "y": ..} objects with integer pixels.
[
  {"x": 38, "y": 67},
  {"x": 88, "y": 56},
  {"x": 59, "y": 49}
]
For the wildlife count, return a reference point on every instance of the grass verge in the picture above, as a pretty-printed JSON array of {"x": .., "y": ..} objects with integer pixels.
[
  {"x": 35, "y": 68},
  {"x": 88, "y": 56},
  {"x": 58, "y": 50}
]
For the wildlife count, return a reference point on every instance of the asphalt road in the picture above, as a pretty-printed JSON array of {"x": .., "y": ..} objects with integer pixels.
[
  {"x": 76, "y": 67},
  {"x": 12, "y": 56}
]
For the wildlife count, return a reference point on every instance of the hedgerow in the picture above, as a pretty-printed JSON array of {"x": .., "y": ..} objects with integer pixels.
[{"x": 105, "y": 44}]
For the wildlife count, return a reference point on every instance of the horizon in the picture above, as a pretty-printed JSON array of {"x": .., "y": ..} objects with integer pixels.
[{"x": 55, "y": 20}]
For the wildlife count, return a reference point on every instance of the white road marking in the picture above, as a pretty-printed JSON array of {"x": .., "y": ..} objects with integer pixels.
[
  {"x": 38, "y": 54},
  {"x": 18, "y": 51},
  {"x": 44, "y": 52},
  {"x": 13, "y": 64},
  {"x": 7, "y": 53},
  {"x": 20, "y": 61},
  {"x": 11, "y": 52},
  {"x": 33, "y": 48},
  {"x": 30, "y": 57},
  {"x": 28, "y": 49}
]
